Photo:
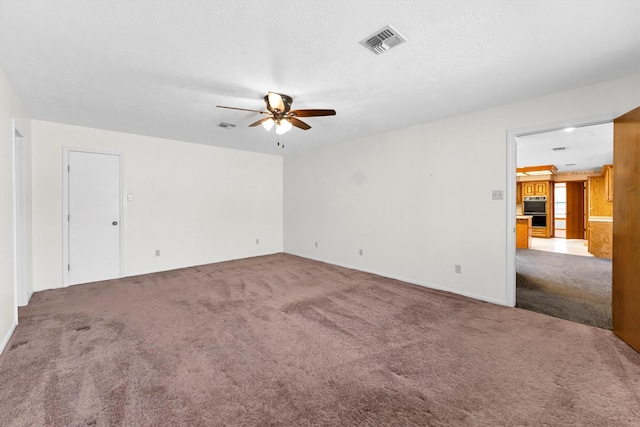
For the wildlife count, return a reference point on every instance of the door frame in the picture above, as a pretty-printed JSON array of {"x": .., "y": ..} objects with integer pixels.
[
  {"x": 66, "y": 280},
  {"x": 21, "y": 277},
  {"x": 512, "y": 134}
]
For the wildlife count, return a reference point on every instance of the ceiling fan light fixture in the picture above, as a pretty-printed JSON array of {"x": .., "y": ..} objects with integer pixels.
[
  {"x": 281, "y": 115},
  {"x": 268, "y": 124},
  {"x": 275, "y": 101},
  {"x": 283, "y": 126}
]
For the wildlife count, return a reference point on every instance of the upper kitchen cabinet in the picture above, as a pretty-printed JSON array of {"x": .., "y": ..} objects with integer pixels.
[
  {"x": 535, "y": 188},
  {"x": 600, "y": 195},
  {"x": 535, "y": 179}
]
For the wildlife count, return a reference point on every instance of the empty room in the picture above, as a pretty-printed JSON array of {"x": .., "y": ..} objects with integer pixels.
[{"x": 296, "y": 213}]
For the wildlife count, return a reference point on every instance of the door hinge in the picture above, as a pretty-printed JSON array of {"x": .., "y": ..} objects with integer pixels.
[
  {"x": 68, "y": 168},
  {"x": 69, "y": 218},
  {"x": 68, "y": 267}
]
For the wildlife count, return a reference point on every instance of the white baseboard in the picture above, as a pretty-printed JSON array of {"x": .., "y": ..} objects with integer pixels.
[
  {"x": 6, "y": 339},
  {"x": 28, "y": 299},
  {"x": 413, "y": 282}
]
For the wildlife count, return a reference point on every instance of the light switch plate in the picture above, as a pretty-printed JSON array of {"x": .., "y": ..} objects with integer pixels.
[
  {"x": 497, "y": 195},
  {"x": 129, "y": 197}
]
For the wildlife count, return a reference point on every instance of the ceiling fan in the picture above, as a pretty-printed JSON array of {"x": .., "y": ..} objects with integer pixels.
[{"x": 281, "y": 115}]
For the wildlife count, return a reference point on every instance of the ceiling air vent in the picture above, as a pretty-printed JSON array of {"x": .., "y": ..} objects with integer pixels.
[
  {"x": 383, "y": 40},
  {"x": 559, "y": 148},
  {"x": 226, "y": 125}
]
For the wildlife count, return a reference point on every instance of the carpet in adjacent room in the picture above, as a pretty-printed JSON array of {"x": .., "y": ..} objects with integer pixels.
[{"x": 570, "y": 287}]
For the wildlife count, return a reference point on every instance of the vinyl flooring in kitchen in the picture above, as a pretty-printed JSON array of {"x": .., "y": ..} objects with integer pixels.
[{"x": 561, "y": 245}]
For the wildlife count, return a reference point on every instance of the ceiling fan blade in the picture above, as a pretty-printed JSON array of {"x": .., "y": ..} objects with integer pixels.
[
  {"x": 275, "y": 101},
  {"x": 242, "y": 109},
  {"x": 312, "y": 113},
  {"x": 259, "y": 122},
  {"x": 298, "y": 123}
]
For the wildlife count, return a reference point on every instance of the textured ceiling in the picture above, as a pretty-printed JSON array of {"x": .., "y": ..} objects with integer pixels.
[
  {"x": 159, "y": 68},
  {"x": 587, "y": 148}
]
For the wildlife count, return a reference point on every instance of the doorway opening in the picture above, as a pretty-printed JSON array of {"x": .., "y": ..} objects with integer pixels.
[
  {"x": 556, "y": 274},
  {"x": 560, "y": 210}
]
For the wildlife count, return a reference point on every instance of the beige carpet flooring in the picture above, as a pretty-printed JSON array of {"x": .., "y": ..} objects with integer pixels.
[{"x": 280, "y": 340}]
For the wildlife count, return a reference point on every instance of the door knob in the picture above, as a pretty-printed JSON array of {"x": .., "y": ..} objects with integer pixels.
[{"x": 114, "y": 223}]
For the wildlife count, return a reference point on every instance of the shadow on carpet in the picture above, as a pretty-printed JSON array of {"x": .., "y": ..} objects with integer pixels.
[{"x": 570, "y": 287}]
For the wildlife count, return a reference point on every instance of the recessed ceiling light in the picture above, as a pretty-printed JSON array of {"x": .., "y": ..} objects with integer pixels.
[{"x": 569, "y": 129}]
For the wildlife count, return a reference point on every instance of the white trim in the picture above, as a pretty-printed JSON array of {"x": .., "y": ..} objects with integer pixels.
[
  {"x": 510, "y": 282},
  {"x": 15, "y": 233},
  {"x": 512, "y": 134},
  {"x": 6, "y": 339},
  {"x": 65, "y": 207},
  {"x": 22, "y": 291},
  {"x": 411, "y": 281}
]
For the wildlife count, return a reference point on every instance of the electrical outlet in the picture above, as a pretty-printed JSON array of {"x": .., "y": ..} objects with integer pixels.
[
  {"x": 497, "y": 195},
  {"x": 157, "y": 252},
  {"x": 129, "y": 197},
  {"x": 361, "y": 252},
  {"x": 458, "y": 269},
  {"x": 316, "y": 244},
  {"x": 257, "y": 241}
]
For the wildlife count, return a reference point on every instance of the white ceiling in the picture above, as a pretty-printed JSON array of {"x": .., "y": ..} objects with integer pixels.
[
  {"x": 159, "y": 68},
  {"x": 587, "y": 148}
]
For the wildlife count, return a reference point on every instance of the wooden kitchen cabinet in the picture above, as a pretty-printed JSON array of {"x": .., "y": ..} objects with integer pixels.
[
  {"x": 600, "y": 219},
  {"x": 523, "y": 232},
  {"x": 540, "y": 188},
  {"x": 599, "y": 205},
  {"x": 600, "y": 242},
  {"x": 518, "y": 193},
  {"x": 535, "y": 188},
  {"x": 528, "y": 189},
  {"x": 540, "y": 232}
]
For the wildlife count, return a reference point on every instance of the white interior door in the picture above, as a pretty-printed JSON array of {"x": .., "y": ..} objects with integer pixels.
[{"x": 93, "y": 216}]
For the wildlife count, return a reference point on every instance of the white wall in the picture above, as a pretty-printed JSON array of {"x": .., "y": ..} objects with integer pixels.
[
  {"x": 418, "y": 200},
  {"x": 11, "y": 109},
  {"x": 196, "y": 204}
]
